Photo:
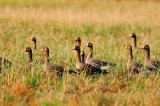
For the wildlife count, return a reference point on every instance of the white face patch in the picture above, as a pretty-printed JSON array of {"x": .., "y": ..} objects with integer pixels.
[
  {"x": 31, "y": 38},
  {"x": 87, "y": 44},
  {"x": 76, "y": 38},
  {"x": 43, "y": 49}
]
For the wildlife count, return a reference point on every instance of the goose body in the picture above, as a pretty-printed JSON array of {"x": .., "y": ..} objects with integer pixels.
[{"x": 53, "y": 68}]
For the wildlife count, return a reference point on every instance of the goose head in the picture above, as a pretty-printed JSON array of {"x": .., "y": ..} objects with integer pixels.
[
  {"x": 133, "y": 35},
  {"x": 78, "y": 40},
  {"x": 33, "y": 39},
  {"x": 28, "y": 49},
  {"x": 128, "y": 47},
  {"x": 145, "y": 47},
  {"x": 46, "y": 50},
  {"x": 90, "y": 45},
  {"x": 77, "y": 48}
]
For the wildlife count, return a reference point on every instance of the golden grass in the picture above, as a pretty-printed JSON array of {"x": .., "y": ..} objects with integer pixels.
[{"x": 55, "y": 24}]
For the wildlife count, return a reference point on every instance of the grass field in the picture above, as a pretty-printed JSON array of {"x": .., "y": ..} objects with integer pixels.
[{"x": 55, "y": 24}]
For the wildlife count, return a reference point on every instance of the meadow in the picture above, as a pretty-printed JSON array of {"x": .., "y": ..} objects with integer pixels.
[{"x": 107, "y": 24}]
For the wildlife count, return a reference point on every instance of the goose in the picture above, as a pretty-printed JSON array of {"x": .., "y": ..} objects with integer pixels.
[
  {"x": 150, "y": 64},
  {"x": 53, "y": 68},
  {"x": 29, "y": 50},
  {"x": 48, "y": 67},
  {"x": 95, "y": 62},
  {"x": 89, "y": 69},
  {"x": 132, "y": 66}
]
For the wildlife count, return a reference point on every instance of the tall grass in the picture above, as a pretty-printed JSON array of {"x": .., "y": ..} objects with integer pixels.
[{"x": 55, "y": 24}]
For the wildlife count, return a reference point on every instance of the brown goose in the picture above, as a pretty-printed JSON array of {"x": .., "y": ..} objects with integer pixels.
[
  {"x": 82, "y": 56},
  {"x": 78, "y": 40},
  {"x": 97, "y": 63},
  {"x": 29, "y": 50},
  {"x": 51, "y": 68},
  {"x": 89, "y": 69},
  {"x": 54, "y": 68},
  {"x": 150, "y": 64},
  {"x": 135, "y": 68}
]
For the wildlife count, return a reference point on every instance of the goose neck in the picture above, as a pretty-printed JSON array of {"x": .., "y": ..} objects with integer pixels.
[
  {"x": 30, "y": 57},
  {"x": 135, "y": 42},
  {"x": 35, "y": 45},
  {"x": 78, "y": 56},
  {"x": 148, "y": 54},
  {"x": 130, "y": 54}
]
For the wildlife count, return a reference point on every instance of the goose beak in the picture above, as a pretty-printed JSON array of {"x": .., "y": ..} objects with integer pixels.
[
  {"x": 130, "y": 35},
  {"x": 30, "y": 38},
  {"x": 75, "y": 39},
  {"x": 41, "y": 50},
  {"x": 25, "y": 50},
  {"x": 87, "y": 45},
  {"x": 142, "y": 47},
  {"x": 74, "y": 48}
]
